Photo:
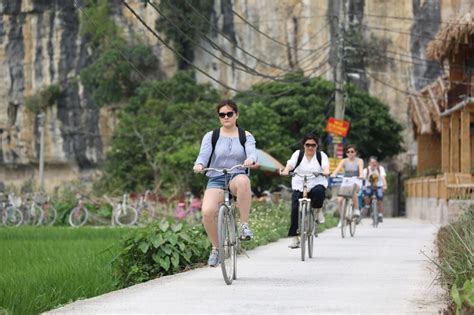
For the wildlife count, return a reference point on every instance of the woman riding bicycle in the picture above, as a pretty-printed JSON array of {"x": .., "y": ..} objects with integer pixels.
[
  {"x": 309, "y": 163},
  {"x": 353, "y": 168},
  {"x": 375, "y": 183},
  {"x": 233, "y": 146}
]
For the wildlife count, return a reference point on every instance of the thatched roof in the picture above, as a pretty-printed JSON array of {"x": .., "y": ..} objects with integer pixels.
[
  {"x": 427, "y": 104},
  {"x": 450, "y": 37}
]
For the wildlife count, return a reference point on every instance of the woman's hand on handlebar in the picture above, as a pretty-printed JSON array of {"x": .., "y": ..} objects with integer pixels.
[
  {"x": 198, "y": 168},
  {"x": 249, "y": 162}
]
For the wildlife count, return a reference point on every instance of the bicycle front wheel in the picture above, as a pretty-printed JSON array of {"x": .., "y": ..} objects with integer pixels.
[
  {"x": 311, "y": 232},
  {"x": 352, "y": 221},
  {"x": 375, "y": 213},
  {"x": 35, "y": 215},
  {"x": 227, "y": 236},
  {"x": 12, "y": 217},
  {"x": 345, "y": 213},
  {"x": 303, "y": 227},
  {"x": 78, "y": 216},
  {"x": 126, "y": 216}
]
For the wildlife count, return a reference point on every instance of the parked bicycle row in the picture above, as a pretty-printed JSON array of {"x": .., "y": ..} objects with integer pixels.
[{"x": 37, "y": 209}]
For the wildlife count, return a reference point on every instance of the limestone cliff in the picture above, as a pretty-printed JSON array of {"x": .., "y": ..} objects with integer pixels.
[{"x": 40, "y": 44}]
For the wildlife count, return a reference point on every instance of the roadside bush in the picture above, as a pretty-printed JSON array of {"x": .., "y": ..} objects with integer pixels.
[
  {"x": 168, "y": 247},
  {"x": 455, "y": 261},
  {"x": 160, "y": 249}
]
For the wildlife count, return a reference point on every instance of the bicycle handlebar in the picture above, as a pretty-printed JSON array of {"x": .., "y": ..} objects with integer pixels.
[
  {"x": 315, "y": 174},
  {"x": 225, "y": 170}
]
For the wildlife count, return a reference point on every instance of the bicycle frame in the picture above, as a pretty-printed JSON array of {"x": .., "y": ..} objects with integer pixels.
[
  {"x": 306, "y": 218},
  {"x": 228, "y": 235}
]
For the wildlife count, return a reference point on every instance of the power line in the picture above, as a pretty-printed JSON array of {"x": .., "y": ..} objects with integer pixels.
[
  {"x": 245, "y": 67},
  {"x": 412, "y": 19},
  {"x": 266, "y": 35},
  {"x": 202, "y": 17}
]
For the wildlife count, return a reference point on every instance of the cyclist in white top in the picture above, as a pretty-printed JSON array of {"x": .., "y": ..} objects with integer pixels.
[
  {"x": 312, "y": 162},
  {"x": 374, "y": 176}
]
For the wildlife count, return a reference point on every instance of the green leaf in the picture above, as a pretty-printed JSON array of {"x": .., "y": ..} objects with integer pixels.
[
  {"x": 176, "y": 227},
  {"x": 164, "y": 225},
  {"x": 144, "y": 247},
  {"x": 156, "y": 257},
  {"x": 173, "y": 239},
  {"x": 157, "y": 240},
  {"x": 185, "y": 237},
  {"x": 165, "y": 263},
  {"x": 175, "y": 260},
  {"x": 455, "y": 296},
  {"x": 166, "y": 249}
]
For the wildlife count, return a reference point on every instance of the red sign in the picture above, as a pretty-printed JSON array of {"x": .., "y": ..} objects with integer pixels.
[{"x": 338, "y": 127}]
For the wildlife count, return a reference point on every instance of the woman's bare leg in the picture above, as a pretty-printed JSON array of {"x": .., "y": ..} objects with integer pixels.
[
  {"x": 213, "y": 197},
  {"x": 240, "y": 187}
]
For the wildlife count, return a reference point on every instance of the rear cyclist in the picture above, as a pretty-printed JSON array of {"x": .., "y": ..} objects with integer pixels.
[
  {"x": 307, "y": 160},
  {"x": 375, "y": 183}
]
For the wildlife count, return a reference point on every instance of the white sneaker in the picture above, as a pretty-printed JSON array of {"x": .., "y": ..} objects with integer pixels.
[
  {"x": 295, "y": 243},
  {"x": 320, "y": 217},
  {"x": 356, "y": 213}
]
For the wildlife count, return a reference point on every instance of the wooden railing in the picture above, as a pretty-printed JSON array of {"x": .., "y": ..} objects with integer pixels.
[{"x": 445, "y": 186}]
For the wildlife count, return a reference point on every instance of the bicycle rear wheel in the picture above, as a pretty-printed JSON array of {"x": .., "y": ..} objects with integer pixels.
[
  {"x": 311, "y": 232},
  {"x": 35, "y": 215},
  {"x": 375, "y": 213},
  {"x": 78, "y": 216},
  {"x": 12, "y": 217},
  {"x": 126, "y": 216},
  {"x": 227, "y": 236},
  {"x": 303, "y": 228},
  {"x": 49, "y": 214}
]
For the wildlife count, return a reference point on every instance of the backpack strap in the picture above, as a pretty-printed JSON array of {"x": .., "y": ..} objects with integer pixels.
[
  {"x": 215, "y": 137},
  {"x": 300, "y": 158}
]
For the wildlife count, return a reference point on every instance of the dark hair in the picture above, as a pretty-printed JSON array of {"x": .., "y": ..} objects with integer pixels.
[
  {"x": 229, "y": 103},
  {"x": 350, "y": 146},
  {"x": 310, "y": 136},
  {"x": 373, "y": 158}
]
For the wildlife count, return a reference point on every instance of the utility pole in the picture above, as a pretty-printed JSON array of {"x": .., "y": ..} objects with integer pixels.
[
  {"x": 41, "y": 121},
  {"x": 339, "y": 96}
]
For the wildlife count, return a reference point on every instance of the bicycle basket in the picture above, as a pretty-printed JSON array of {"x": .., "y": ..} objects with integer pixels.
[
  {"x": 39, "y": 199},
  {"x": 347, "y": 188},
  {"x": 16, "y": 201}
]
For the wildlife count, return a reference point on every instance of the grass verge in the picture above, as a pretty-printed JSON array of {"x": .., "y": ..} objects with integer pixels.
[
  {"x": 455, "y": 262},
  {"x": 46, "y": 267}
]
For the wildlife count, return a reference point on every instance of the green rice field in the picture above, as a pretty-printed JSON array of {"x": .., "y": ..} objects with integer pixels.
[{"x": 42, "y": 268}]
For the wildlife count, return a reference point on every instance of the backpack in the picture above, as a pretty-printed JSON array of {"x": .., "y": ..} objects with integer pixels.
[
  {"x": 215, "y": 137},
  {"x": 300, "y": 158}
]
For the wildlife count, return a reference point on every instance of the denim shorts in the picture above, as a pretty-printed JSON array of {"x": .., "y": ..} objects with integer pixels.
[
  {"x": 369, "y": 191},
  {"x": 218, "y": 181}
]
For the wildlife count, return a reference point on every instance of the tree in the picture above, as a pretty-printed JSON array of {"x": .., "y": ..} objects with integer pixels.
[
  {"x": 117, "y": 71},
  {"x": 177, "y": 15},
  {"x": 158, "y": 138}
]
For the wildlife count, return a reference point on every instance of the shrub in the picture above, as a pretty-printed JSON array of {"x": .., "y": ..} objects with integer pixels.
[
  {"x": 455, "y": 261},
  {"x": 162, "y": 248}
]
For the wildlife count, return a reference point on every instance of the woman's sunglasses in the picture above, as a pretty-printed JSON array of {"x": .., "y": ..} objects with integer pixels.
[
  {"x": 350, "y": 151},
  {"x": 228, "y": 114},
  {"x": 310, "y": 145}
]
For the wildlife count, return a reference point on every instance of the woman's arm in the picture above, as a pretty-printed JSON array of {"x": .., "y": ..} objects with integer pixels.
[
  {"x": 290, "y": 164},
  {"x": 204, "y": 152},
  {"x": 338, "y": 168},
  {"x": 250, "y": 149},
  {"x": 361, "y": 168}
]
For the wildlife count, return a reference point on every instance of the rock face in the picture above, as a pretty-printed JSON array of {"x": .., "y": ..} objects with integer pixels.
[{"x": 40, "y": 44}]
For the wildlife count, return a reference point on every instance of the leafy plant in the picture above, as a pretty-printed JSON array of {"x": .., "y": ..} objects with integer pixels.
[
  {"x": 455, "y": 260},
  {"x": 160, "y": 249},
  {"x": 43, "y": 99}
]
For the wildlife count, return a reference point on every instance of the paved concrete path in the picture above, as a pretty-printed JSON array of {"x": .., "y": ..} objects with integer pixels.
[{"x": 379, "y": 271}]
